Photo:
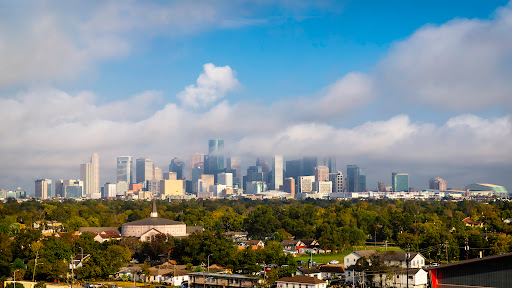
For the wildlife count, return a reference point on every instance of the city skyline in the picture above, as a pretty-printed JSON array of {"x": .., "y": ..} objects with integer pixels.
[{"x": 399, "y": 87}]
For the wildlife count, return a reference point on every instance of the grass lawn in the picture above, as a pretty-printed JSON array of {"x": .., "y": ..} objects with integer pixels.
[{"x": 326, "y": 258}]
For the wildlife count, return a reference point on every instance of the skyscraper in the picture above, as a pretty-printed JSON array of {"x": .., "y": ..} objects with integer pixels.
[
  {"x": 321, "y": 173},
  {"x": 145, "y": 170},
  {"x": 437, "y": 184},
  {"x": 294, "y": 168},
  {"x": 277, "y": 172},
  {"x": 356, "y": 179},
  {"x": 125, "y": 169},
  {"x": 234, "y": 165},
  {"x": 216, "y": 148},
  {"x": 331, "y": 163},
  {"x": 337, "y": 181},
  {"x": 89, "y": 174},
  {"x": 399, "y": 182},
  {"x": 309, "y": 164},
  {"x": 43, "y": 188},
  {"x": 177, "y": 165},
  {"x": 195, "y": 158},
  {"x": 289, "y": 186}
]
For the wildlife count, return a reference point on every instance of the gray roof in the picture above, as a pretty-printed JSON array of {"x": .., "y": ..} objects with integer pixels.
[
  {"x": 217, "y": 275},
  {"x": 154, "y": 221},
  {"x": 98, "y": 230}
]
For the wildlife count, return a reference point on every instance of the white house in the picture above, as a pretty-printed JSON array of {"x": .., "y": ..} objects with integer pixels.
[
  {"x": 417, "y": 278},
  {"x": 300, "y": 282},
  {"x": 399, "y": 258},
  {"x": 311, "y": 272},
  {"x": 352, "y": 258}
]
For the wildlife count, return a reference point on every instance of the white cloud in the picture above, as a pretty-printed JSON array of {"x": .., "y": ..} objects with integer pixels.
[
  {"x": 212, "y": 85},
  {"x": 462, "y": 65}
]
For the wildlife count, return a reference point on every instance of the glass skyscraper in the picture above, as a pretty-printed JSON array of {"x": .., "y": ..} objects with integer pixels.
[
  {"x": 400, "y": 182},
  {"x": 125, "y": 169},
  {"x": 356, "y": 179}
]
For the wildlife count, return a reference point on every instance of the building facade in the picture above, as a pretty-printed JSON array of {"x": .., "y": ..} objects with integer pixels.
[
  {"x": 145, "y": 170},
  {"x": 399, "y": 182},
  {"x": 125, "y": 169},
  {"x": 277, "y": 172},
  {"x": 43, "y": 188}
]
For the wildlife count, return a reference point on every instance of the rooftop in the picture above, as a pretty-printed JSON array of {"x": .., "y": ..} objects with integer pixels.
[
  {"x": 154, "y": 221},
  {"x": 301, "y": 279}
]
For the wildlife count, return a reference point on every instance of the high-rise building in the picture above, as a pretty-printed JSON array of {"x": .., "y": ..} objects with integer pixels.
[
  {"x": 437, "y": 184},
  {"x": 337, "y": 181},
  {"x": 171, "y": 187},
  {"x": 121, "y": 187},
  {"x": 225, "y": 179},
  {"x": 356, "y": 179},
  {"x": 321, "y": 173},
  {"x": 234, "y": 165},
  {"x": 381, "y": 187},
  {"x": 43, "y": 188},
  {"x": 109, "y": 190},
  {"x": 158, "y": 173},
  {"x": 72, "y": 188},
  {"x": 289, "y": 186},
  {"x": 277, "y": 173},
  {"x": 309, "y": 164},
  {"x": 305, "y": 184},
  {"x": 195, "y": 158},
  {"x": 255, "y": 173},
  {"x": 294, "y": 168},
  {"x": 216, "y": 148},
  {"x": 177, "y": 165},
  {"x": 400, "y": 182},
  {"x": 330, "y": 162},
  {"x": 125, "y": 169},
  {"x": 170, "y": 176},
  {"x": 145, "y": 170},
  {"x": 89, "y": 174}
]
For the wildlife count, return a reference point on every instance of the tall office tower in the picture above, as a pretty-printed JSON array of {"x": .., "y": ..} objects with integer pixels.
[
  {"x": 170, "y": 176},
  {"x": 89, "y": 174},
  {"x": 197, "y": 171},
  {"x": 277, "y": 172},
  {"x": 309, "y": 164},
  {"x": 43, "y": 188},
  {"x": 234, "y": 165},
  {"x": 144, "y": 167},
  {"x": 337, "y": 181},
  {"x": 216, "y": 148},
  {"x": 211, "y": 165},
  {"x": 356, "y": 179},
  {"x": 260, "y": 161},
  {"x": 381, "y": 187},
  {"x": 195, "y": 158},
  {"x": 331, "y": 163},
  {"x": 125, "y": 169},
  {"x": 109, "y": 190},
  {"x": 399, "y": 182},
  {"x": 121, "y": 187},
  {"x": 289, "y": 186},
  {"x": 294, "y": 168},
  {"x": 58, "y": 188},
  {"x": 437, "y": 184},
  {"x": 158, "y": 173},
  {"x": 321, "y": 173},
  {"x": 177, "y": 165},
  {"x": 305, "y": 184},
  {"x": 73, "y": 188},
  {"x": 255, "y": 173},
  {"x": 225, "y": 179}
]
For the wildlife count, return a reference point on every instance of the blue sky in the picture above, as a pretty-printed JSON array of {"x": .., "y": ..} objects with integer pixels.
[{"x": 407, "y": 86}]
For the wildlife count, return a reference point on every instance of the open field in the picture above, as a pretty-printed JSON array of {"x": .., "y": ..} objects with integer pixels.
[{"x": 326, "y": 258}]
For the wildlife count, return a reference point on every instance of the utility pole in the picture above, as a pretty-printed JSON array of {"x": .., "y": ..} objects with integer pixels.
[
  {"x": 35, "y": 264},
  {"x": 204, "y": 278},
  {"x": 467, "y": 249},
  {"x": 446, "y": 248},
  {"x": 407, "y": 257}
]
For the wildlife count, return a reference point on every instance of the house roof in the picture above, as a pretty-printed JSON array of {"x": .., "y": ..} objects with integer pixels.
[
  {"x": 253, "y": 242},
  {"x": 471, "y": 261},
  {"x": 365, "y": 253},
  {"x": 397, "y": 255},
  {"x": 301, "y": 279},
  {"x": 309, "y": 242},
  {"x": 290, "y": 242},
  {"x": 216, "y": 275},
  {"x": 97, "y": 230},
  {"x": 335, "y": 268},
  {"x": 305, "y": 270},
  {"x": 234, "y": 233},
  {"x": 154, "y": 221}
]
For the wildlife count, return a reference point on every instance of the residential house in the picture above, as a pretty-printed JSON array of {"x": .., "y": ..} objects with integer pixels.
[
  {"x": 310, "y": 246},
  {"x": 168, "y": 273},
  {"x": 311, "y": 272},
  {"x": 412, "y": 278},
  {"x": 78, "y": 260},
  {"x": 213, "y": 280},
  {"x": 469, "y": 222},
  {"x": 129, "y": 272},
  {"x": 237, "y": 236},
  {"x": 256, "y": 244},
  {"x": 334, "y": 271},
  {"x": 399, "y": 259},
  {"x": 107, "y": 236},
  {"x": 292, "y": 246},
  {"x": 352, "y": 258},
  {"x": 300, "y": 282}
]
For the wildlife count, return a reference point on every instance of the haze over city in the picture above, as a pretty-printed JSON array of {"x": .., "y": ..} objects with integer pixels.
[{"x": 392, "y": 87}]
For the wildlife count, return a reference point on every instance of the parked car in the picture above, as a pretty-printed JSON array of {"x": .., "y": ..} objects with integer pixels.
[{"x": 334, "y": 262}]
